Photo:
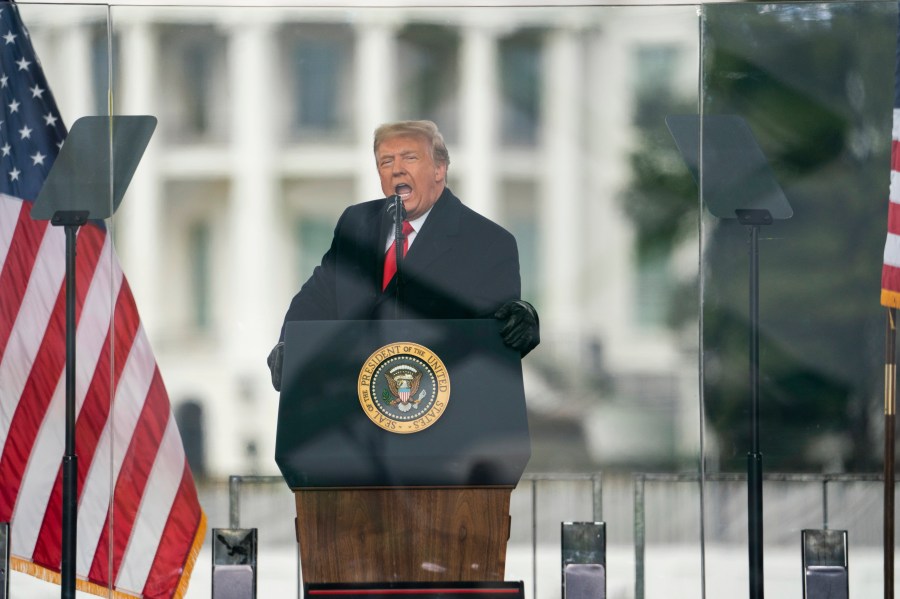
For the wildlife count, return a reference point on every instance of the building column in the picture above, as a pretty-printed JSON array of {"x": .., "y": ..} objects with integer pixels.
[
  {"x": 73, "y": 90},
  {"x": 374, "y": 82},
  {"x": 137, "y": 224},
  {"x": 478, "y": 187},
  {"x": 610, "y": 300},
  {"x": 252, "y": 236},
  {"x": 562, "y": 181}
]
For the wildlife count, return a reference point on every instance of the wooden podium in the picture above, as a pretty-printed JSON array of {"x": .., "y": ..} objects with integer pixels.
[
  {"x": 419, "y": 535},
  {"x": 375, "y": 505}
]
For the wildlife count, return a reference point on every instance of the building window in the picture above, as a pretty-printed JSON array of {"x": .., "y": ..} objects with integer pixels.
[
  {"x": 520, "y": 56},
  {"x": 428, "y": 73},
  {"x": 318, "y": 61},
  {"x": 190, "y": 419},
  {"x": 519, "y": 216},
  {"x": 313, "y": 240},
  {"x": 199, "y": 248},
  {"x": 655, "y": 68},
  {"x": 655, "y": 286},
  {"x": 193, "y": 71},
  {"x": 193, "y": 258},
  {"x": 312, "y": 220}
]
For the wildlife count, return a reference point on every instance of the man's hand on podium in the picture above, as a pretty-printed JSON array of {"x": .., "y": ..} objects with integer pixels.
[
  {"x": 521, "y": 328},
  {"x": 521, "y": 332},
  {"x": 275, "y": 359}
]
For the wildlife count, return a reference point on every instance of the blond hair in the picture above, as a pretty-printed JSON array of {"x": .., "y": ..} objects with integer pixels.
[{"x": 425, "y": 129}]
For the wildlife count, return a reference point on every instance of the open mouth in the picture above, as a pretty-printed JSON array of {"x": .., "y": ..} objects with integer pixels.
[{"x": 403, "y": 190}]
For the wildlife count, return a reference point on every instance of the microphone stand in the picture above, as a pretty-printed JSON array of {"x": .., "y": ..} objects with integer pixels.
[{"x": 399, "y": 213}]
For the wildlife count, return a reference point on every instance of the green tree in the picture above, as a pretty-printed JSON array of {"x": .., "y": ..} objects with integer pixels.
[{"x": 814, "y": 83}]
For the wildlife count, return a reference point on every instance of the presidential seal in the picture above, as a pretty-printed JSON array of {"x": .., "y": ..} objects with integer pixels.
[{"x": 403, "y": 387}]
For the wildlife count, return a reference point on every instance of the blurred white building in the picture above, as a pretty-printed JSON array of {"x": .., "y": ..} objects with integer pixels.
[{"x": 265, "y": 130}]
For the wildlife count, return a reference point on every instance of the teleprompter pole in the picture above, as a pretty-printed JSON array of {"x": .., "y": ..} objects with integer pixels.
[
  {"x": 754, "y": 458},
  {"x": 71, "y": 220},
  {"x": 890, "y": 404},
  {"x": 754, "y": 218}
]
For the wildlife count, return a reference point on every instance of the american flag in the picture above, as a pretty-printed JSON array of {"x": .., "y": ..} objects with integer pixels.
[
  {"x": 140, "y": 525},
  {"x": 890, "y": 273}
]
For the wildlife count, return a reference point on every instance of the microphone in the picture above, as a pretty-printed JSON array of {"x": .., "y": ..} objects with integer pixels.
[
  {"x": 393, "y": 203},
  {"x": 398, "y": 212}
]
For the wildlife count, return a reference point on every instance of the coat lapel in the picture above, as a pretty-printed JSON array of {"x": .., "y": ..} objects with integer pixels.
[
  {"x": 438, "y": 235},
  {"x": 362, "y": 264}
]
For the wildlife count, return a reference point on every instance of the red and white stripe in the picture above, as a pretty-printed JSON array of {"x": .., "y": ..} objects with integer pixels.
[
  {"x": 139, "y": 520},
  {"x": 890, "y": 274}
]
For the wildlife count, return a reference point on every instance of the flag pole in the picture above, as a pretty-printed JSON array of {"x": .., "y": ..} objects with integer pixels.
[{"x": 890, "y": 376}]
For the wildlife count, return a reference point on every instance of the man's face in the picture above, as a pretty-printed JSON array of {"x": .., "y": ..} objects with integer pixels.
[{"x": 406, "y": 168}]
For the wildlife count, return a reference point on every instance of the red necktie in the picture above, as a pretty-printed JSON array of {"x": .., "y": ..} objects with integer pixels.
[{"x": 390, "y": 258}]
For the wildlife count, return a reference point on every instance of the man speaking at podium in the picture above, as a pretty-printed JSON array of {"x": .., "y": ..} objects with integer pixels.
[{"x": 455, "y": 263}]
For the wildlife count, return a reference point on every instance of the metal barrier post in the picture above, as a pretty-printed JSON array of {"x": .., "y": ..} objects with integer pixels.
[
  {"x": 639, "y": 532},
  {"x": 234, "y": 563},
  {"x": 824, "y": 564},
  {"x": 234, "y": 501},
  {"x": 4, "y": 560},
  {"x": 597, "y": 495},
  {"x": 583, "y": 560},
  {"x": 235, "y": 548}
]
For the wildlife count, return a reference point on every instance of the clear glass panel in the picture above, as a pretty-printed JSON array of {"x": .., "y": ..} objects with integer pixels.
[
  {"x": 54, "y": 74},
  {"x": 228, "y": 210},
  {"x": 815, "y": 92},
  {"x": 554, "y": 118}
]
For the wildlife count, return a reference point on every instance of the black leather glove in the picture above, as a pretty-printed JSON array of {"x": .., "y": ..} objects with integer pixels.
[
  {"x": 276, "y": 357},
  {"x": 521, "y": 328}
]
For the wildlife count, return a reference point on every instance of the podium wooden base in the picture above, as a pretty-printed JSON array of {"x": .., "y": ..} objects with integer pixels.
[{"x": 408, "y": 534}]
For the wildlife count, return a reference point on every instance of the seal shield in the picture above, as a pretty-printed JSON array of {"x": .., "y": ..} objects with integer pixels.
[{"x": 403, "y": 387}]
